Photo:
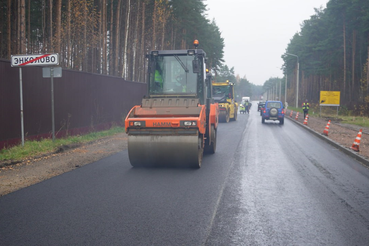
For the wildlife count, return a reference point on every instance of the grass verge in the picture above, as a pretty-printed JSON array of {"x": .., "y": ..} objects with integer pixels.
[
  {"x": 356, "y": 120},
  {"x": 37, "y": 148},
  {"x": 332, "y": 114}
]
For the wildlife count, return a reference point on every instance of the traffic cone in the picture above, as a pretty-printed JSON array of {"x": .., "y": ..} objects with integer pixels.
[
  {"x": 291, "y": 113},
  {"x": 297, "y": 116},
  {"x": 326, "y": 129},
  {"x": 355, "y": 145},
  {"x": 306, "y": 120}
]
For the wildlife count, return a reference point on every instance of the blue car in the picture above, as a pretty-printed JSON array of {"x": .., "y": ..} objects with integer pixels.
[{"x": 273, "y": 110}]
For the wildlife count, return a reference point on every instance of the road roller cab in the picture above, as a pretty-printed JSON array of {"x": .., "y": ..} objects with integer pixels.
[{"x": 177, "y": 121}]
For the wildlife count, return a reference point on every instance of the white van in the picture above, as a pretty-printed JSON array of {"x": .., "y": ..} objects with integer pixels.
[{"x": 246, "y": 99}]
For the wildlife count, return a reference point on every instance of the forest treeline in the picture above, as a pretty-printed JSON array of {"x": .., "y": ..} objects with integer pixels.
[
  {"x": 332, "y": 50},
  {"x": 107, "y": 36},
  {"x": 112, "y": 37}
]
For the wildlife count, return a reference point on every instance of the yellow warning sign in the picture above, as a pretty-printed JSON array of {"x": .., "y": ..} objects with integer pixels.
[{"x": 329, "y": 98}]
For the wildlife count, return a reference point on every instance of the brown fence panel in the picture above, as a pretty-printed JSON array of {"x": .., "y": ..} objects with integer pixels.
[{"x": 83, "y": 102}]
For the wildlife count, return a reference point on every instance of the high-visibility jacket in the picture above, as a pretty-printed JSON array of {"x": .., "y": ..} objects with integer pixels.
[
  {"x": 158, "y": 78},
  {"x": 305, "y": 106}
]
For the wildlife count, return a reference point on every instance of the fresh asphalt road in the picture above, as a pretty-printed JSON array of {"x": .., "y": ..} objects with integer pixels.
[{"x": 267, "y": 184}]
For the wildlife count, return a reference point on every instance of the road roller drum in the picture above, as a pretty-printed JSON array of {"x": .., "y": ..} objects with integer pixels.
[{"x": 165, "y": 150}]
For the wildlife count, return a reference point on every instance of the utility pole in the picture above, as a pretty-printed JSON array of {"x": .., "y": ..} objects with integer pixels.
[
  {"x": 285, "y": 91},
  {"x": 297, "y": 79}
]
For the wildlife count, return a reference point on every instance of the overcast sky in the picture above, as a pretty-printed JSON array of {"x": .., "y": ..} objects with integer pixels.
[{"x": 256, "y": 32}]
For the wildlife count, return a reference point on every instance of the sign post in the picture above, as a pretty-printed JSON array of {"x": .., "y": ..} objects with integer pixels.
[
  {"x": 34, "y": 60},
  {"x": 51, "y": 72},
  {"x": 52, "y": 102},
  {"x": 21, "y": 103}
]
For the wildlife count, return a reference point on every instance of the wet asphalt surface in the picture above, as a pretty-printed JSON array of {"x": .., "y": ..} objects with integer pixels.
[{"x": 266, "y": 184}]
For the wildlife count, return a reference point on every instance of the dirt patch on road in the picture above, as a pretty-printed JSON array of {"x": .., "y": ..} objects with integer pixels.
[{"x": 14, "y": 176}]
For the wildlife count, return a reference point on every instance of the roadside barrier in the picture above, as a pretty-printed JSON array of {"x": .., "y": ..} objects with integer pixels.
[
  {"x": 326, "y": 129},
  {"x": 297, "y": 116},
  {"x": 355, "y": 145},
  {"x": 291, "y": 113},
  {"x": 306, "y": 119}
]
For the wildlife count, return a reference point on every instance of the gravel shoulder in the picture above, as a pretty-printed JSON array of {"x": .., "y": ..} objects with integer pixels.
[
  {"x": 31, "y": 171},
  {"x": 15, "y": 176},
  {"x": 342, "y": 134}
]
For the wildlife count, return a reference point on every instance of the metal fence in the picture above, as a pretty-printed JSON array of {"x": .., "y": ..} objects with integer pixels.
[{"x": 83, "y": 102}]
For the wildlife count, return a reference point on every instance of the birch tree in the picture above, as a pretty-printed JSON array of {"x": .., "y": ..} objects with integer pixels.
[
  {"x": 50, "y": 26},
  {"x": 135, "y": 45},
  {"x": 124, "y": 75},
  {"x": 117, "y": 35},
  {"x": 9, "y": 33},
  {"x": 58, "y": 26}
]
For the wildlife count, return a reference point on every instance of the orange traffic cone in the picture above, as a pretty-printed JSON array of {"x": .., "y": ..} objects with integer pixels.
[
  {"x": 291, "y": 113},
  {"x": 297, "y": 116},
  {"x": 306, "y": 120},
  {"x": 325, "y": 132},
  {"x": 355, "y": 145}
]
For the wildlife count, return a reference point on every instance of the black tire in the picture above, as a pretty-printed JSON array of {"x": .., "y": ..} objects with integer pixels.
[
  {"x": 211, "y": 148},
  {"x": 227, "y": 117},
  {"x": 281, "y": 122},
  {"x": 262, "y": 120},
  {"x": 200, "y": 154},
  {"x": 235, "y": 116}
]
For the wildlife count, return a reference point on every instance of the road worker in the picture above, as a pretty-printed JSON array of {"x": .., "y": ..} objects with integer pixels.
[
  {"x": 305, "y": 108},
  {"x": 242, "y": 108},
  {"x": 158, "y": 79},
  {"x": 246, "y": 104}
]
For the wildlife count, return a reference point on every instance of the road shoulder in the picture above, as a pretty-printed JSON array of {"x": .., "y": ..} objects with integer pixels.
[
  {"x": 34, "y": 170},
  {"x": 341, "y": 136}
]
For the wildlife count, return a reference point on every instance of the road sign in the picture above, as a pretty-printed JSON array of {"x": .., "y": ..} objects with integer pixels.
[
  {"x": 329, "y": 98},
  {"x": 32, "y": 60},
  {"x": 35, "y": 60},
  {"x": 46, "y": 72}
]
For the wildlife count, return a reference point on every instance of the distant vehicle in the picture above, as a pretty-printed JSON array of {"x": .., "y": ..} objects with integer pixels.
[
  {"x": 261, "y": 105},
  {"x": 246, "y": 99},
  {"x": 223, "y": 94},
  {"x": 273, "y": 110}
]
